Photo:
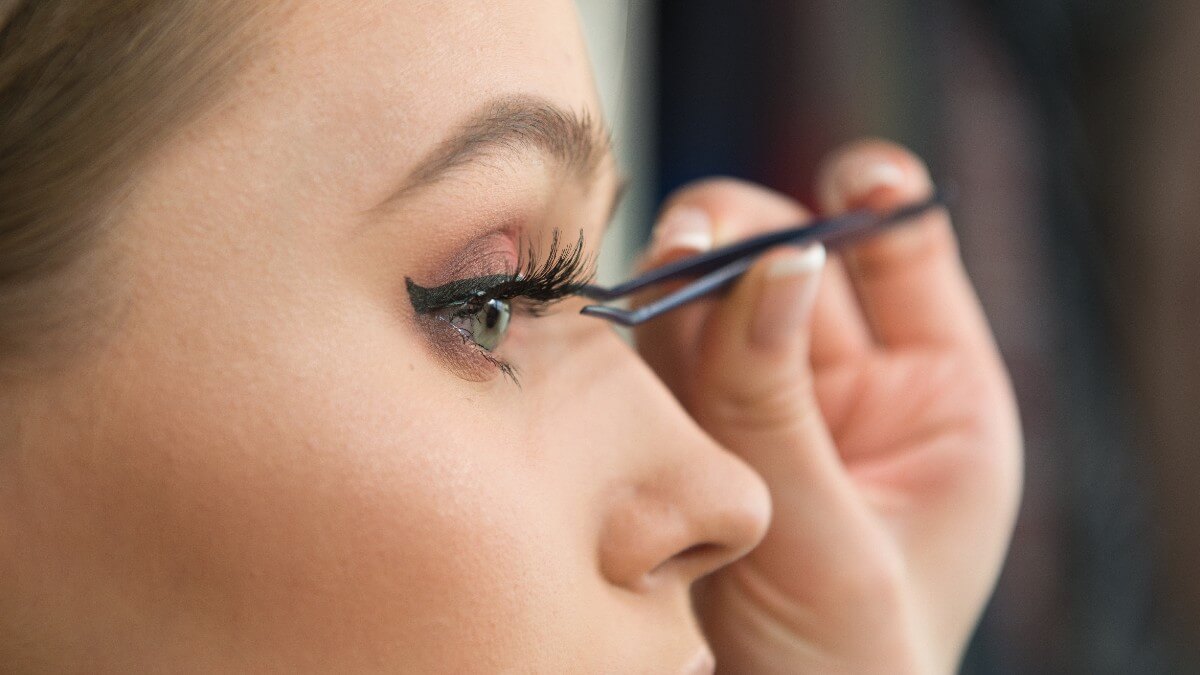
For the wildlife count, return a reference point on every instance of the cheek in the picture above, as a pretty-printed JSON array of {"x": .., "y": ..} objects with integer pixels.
[{"x": 310, "y": 504}]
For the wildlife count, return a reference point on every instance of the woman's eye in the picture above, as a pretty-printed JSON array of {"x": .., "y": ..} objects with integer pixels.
[{"x": 485, "y": 326}]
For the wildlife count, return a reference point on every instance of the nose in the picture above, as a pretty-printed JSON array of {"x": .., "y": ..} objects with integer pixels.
[
  {"x": 685, "y": 520},
  {"x": 677, "y": 506}
]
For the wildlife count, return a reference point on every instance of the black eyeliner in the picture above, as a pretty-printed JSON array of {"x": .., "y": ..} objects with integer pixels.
[
  {"x": 561, "y": 274},
  {"x": 457, "y": 292},
  {"x": 531, "y": 289}
]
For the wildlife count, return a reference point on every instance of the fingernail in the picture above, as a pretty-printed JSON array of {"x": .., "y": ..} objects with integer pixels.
[
  {"x": 684, "y": 229},
  {"x": 788, "y": 296},
  {"x": 870, "y": 177}
]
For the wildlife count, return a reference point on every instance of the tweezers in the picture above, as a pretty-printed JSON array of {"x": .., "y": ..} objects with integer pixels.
[{"x": 721, "y": 267}]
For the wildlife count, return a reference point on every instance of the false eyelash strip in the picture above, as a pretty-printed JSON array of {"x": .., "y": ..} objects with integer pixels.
[{"x": 558, "y": 275}]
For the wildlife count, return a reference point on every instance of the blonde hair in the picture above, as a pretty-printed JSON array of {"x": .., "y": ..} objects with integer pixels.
[{"x": 87, "y": 88}]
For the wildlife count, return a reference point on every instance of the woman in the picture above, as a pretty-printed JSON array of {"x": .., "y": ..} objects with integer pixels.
[{"x": 254, "y": 422}]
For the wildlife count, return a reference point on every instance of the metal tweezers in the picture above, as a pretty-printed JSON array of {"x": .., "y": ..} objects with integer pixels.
[{"x": 721, "y": 267}]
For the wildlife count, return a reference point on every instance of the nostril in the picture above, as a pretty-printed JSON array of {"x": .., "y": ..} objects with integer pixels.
[
  {"x": 681, "y": 518},
  {"x": 704, "y": 550},
  {"x": 697, "y": 560}
]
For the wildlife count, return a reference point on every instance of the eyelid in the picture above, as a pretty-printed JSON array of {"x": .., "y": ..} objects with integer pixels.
[
  {"x": 561, "y": 274},
  {"x": 460, "y": 291},
  {"x": 471, "y": 294},
  {"x": 531, "y": 290},
  {"x": 494, "y": 252}
]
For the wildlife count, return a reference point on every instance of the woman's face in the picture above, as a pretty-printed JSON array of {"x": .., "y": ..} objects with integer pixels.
[{"x": 275, "y": 461}]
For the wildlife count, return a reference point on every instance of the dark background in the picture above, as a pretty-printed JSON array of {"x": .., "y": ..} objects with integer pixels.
[{"x": 1072, "y": 131}]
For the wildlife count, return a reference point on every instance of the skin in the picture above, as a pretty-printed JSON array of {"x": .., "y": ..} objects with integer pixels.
[
  {"x": 271, "y": 464},
  {"x": 886, "y": 431}
]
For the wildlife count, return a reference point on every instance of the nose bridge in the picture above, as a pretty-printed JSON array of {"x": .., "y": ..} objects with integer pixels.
[{"x": 675, "y": 503}]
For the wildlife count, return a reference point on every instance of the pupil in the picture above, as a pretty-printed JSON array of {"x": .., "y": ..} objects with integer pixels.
[{"x": 491, "y": 315}]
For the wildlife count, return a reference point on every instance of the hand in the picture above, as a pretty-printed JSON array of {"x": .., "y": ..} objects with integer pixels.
[{"x": 877, "y": 410}]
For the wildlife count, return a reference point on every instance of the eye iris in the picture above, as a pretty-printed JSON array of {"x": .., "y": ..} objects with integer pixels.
[{"x": 487, "y": 325}]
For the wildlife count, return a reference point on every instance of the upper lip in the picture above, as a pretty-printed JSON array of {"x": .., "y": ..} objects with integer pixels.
[{"x": 702, "y": 663}]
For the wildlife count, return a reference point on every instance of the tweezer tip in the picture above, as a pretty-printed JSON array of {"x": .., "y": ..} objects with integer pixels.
[{"x": 612, "y": 314}]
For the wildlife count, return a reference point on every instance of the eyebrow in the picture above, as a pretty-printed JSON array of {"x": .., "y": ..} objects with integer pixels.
[{"x": 512, "y": 124}]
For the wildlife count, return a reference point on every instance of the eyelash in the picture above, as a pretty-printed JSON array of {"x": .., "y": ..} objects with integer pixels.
[{"x": 538, "y": 281}]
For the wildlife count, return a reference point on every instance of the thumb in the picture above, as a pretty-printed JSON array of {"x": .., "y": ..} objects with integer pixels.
[
  {"x": 756, "y": 382},
  {"x": 756, "y": 397}
]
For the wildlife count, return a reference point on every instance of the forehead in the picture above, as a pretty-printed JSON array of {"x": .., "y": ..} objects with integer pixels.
[{"x": 408, "y": 70}]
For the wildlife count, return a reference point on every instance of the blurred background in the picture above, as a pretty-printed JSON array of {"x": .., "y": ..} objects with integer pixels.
[{"x": 1072, "y": 131}]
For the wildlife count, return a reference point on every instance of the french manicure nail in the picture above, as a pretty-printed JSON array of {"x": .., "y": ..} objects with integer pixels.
[
  {"x": 870, "y": 177},
  {"x": 684, "y": 229},
  {"x": 788, "y": 296}
]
